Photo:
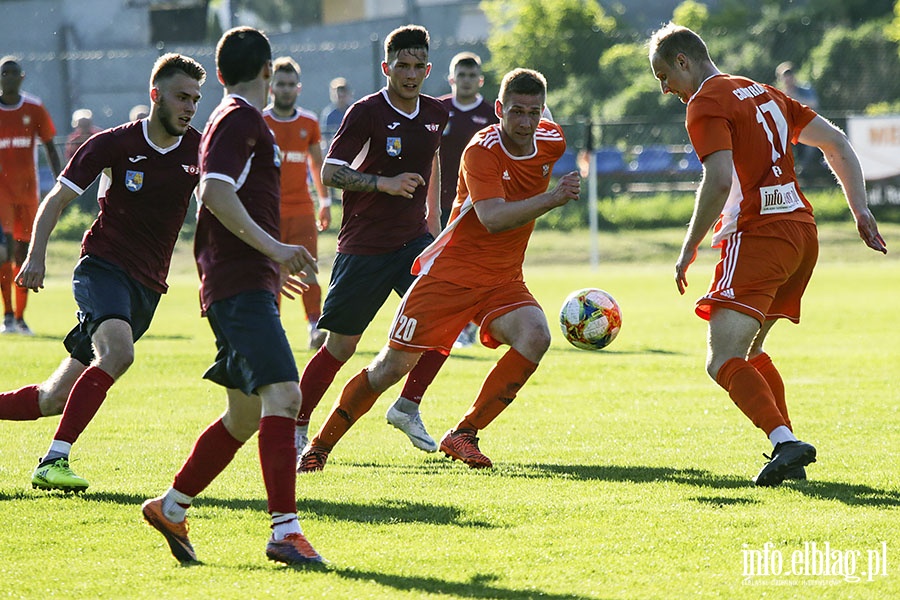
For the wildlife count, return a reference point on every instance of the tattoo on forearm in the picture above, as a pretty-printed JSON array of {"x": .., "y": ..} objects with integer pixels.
[{"x": 354, "y": 181}]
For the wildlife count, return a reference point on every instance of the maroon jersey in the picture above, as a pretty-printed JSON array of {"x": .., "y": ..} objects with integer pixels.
[
  {"x": 238, "y": 147},
  {"x": 465, "y": 121},
  {"x": 143, "y": 197},
  {"x": 377, "y": 138}
]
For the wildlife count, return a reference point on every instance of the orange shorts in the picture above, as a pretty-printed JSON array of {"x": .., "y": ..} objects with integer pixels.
[
  {"x": 433, "y": 312},
  {"x": 301, "y": 231},
  {"x": 764, "y": 272},
  {"x": 18, "y": 219}
]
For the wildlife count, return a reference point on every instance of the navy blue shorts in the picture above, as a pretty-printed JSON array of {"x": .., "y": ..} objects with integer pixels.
[
  {"x": 360, "y": 285},
  {"x": 105, "y": 291},
  {"x": 253, "y": 349}
]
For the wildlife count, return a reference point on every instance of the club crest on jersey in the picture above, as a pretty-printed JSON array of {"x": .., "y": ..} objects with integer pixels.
[
  {"x": 545, "y": 170},
  {"x": 393, "y": 146},
  {"x": 134, "y": 180}
]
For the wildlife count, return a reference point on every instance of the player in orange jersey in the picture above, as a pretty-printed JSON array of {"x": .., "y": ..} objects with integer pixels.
[
  {"x": 297, "y": 135},
  {"x": 742, "y": 131},
  {"x": 23, "y": 121},
  {"x": 473, "y": 271}
]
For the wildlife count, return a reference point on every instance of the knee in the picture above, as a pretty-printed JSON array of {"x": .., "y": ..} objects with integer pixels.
[
  {"x": 714, "y": 364},
  {"x": 341, "y": 347},
  {"x": 240, "y": 429},
  {"x": 116, "y": 360},
  {"x": 385, "y": 373},
  {"x": 536, "y": 344},
  {"x": 52, "y": 400}
]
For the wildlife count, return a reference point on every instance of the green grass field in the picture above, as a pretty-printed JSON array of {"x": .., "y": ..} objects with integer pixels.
[{"x": 618, "y": 474}]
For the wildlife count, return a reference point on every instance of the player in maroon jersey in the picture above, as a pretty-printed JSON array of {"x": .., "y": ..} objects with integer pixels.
[
  {"x": 150, "y": 169},
  {"x": 241, "y": 260},
  {"x": 382, "y": 156},
  {"x": 469, "y": 113}
]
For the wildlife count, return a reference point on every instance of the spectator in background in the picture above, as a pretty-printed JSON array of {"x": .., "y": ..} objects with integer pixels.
[
  {"x": 138, "y": 111},
  {"x": 805, "y": 157},
  {"x": 341, "y": 97},
  {"x": 82, "y": 128},
  {"x": 23, "y": 121},
  {"x": 330, "y": 119}
]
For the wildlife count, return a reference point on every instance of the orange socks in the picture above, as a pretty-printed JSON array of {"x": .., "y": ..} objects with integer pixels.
[
  {"x": 763, "y": 363},
  {"x": 357, "y": 398},
  {"x": 6, "y": 285},
  {"x": 312, "y": 302},
  {"x": 750, "y": 393},
  {"x": 498, "y": 390}
]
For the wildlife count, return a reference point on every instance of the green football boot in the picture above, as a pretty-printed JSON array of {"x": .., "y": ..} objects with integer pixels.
[{"x": 56, "y": 475}]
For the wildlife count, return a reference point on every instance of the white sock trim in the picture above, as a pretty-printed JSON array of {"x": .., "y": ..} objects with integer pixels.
[{"x": 781, "y": 434}]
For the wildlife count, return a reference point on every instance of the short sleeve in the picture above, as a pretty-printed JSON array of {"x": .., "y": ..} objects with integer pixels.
[
  {"x": 482, "y": 172},
  {"x": 351, "y": 136},
  {"x": 231, "y": 146},
  {"x": 708, "y": 127}
]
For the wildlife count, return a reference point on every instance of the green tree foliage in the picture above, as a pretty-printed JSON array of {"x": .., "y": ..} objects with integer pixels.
[
  {"x": 559, "y": 38},
  {"x": 691, "y": 14},
  {"x": 854, "y": 68}
]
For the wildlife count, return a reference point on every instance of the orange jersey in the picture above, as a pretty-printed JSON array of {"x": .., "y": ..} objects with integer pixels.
[
  {"x": 294, "y": 137},
  {"x": 21, "y": 126},
  {"x": 758, "y": 123},
  {"x": 466, "y": 253}
]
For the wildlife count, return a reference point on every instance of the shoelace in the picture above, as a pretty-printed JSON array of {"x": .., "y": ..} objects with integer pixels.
[
  {"x": 314, "y": 457},
  {"x": 63, "y": 465},
  {"x": 469, "y": 443}
]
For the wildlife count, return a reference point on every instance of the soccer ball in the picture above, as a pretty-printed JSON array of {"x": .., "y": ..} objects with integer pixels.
[{"x": 590, "y": 319}]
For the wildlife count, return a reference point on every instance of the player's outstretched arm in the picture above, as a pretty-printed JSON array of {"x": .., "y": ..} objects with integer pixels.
[
  {"x": 844, "y": 162},
  {"x": 498, "y": 215},
  {"x": 31, "y": 274}
]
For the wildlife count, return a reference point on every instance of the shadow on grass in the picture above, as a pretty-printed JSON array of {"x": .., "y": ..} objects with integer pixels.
[
  {"x": 847, "y": 493},
  {"x": 166, "y": 337},
  {"x": 723, "y": 501},
  {"x": 372, "y": 513},
  {"x": 479, "y": 586},
  {"x": 641, "y": 352}
]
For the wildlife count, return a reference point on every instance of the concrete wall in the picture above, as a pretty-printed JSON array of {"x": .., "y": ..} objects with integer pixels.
[{"x": 102, "y": 61}]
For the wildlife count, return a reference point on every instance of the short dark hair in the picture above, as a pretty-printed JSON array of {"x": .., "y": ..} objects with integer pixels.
[
  {"x": 10, "y": 59},
  {"x": 168, "y": 64},
  {"x": 527, "y": 82},
  {"x": 241, "y": 53},
  {"x": 465, "y": 59},
  {"x": 408, "y": 37},
  {"x": 286, "y": 64},
  {"x": 672, "y": 40}
]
